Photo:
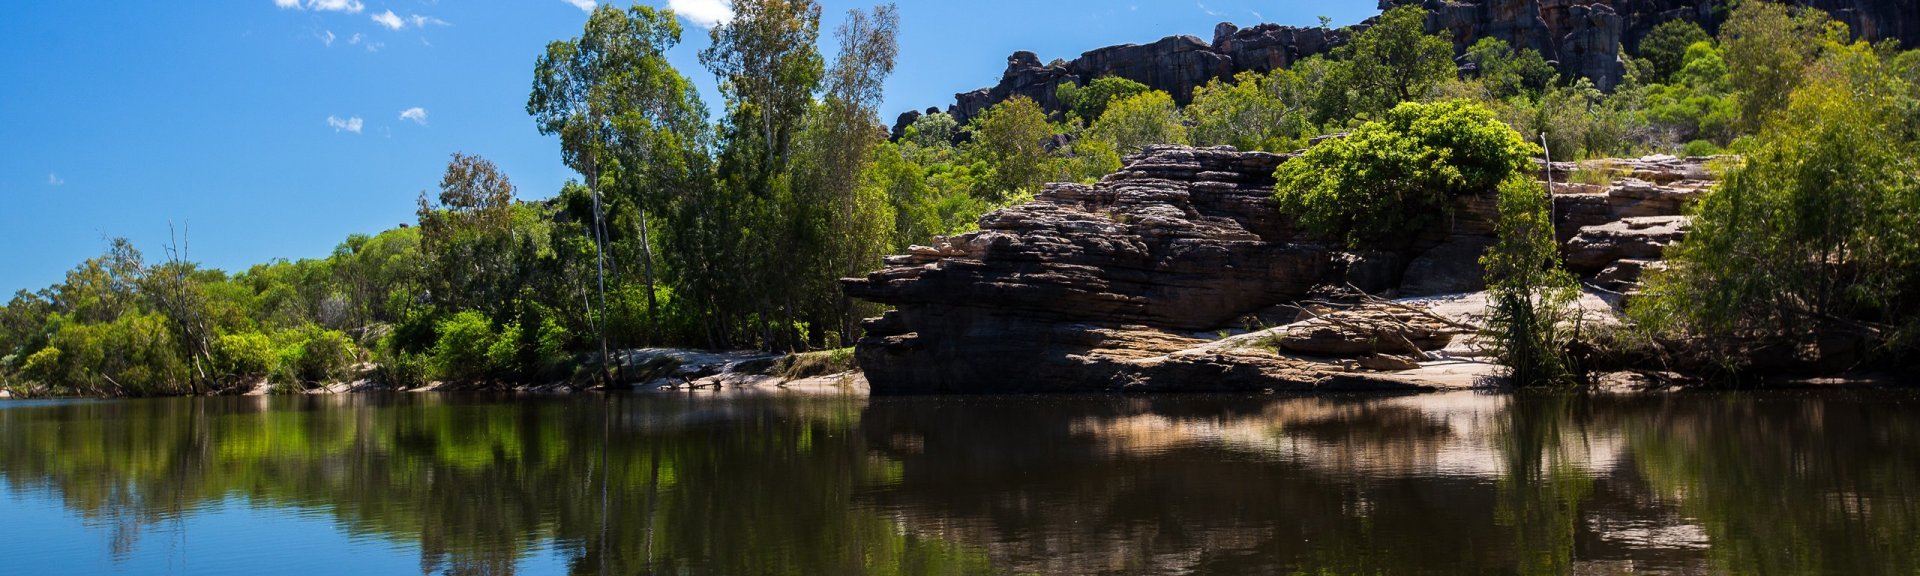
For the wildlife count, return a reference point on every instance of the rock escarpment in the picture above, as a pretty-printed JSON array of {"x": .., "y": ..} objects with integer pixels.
[
  {"x": 1585, "y": 37},
  {"x": 1128, "y": 284}
]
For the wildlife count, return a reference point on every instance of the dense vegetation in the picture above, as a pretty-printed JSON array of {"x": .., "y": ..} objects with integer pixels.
[{"x": 729, "y": 230}]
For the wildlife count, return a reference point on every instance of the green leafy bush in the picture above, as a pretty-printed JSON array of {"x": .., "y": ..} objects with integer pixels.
[
  {"x": 464, "y": 351},
  {"x": 239, "y": 358},
  {"x": 1400, "y": 173}
]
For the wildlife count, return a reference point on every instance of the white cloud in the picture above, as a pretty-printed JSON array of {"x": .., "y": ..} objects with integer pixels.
[
  {"x": 1210, "y": 11},
  {"x": 348, "y": 6},
  {"x": 388, "y": 19},
  {"x": 375, "y": 46},
  {"x": 352, "y": 124},
  {"x": 356, "y": 38},
  {"x": 326, "y": 37},
  {"x": 583, "y": 5},
  {"x": 703, "y": 13},
  {"x": 422, "y": 21},
  {"x": 55, "y": 179},
  {"x": 417, "y": 114}
]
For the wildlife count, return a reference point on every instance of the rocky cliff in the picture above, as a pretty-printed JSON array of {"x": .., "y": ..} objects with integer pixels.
[
  {"x": 1128, "y": 284},
  {"x": 1584, "y": 37}
]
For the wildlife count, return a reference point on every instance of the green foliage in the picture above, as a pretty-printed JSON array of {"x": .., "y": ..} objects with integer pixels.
[
  {"x": 1811, "y": 243},
  {"x": 937, "y": 130},
  {"x": 243, "y": 358},
  {"x": 311, "y": 355},
  {"x": 134, "y": 354},
  {"x": 1666, "y": 47},
  {"x": 1508, "y": 73},
  {"x": 1400, "y": 173},
  {"x": 1137, "y": 121},
  {"x": 464, "y": 352},
  {"x": 1011, "y": 139},
  {"x": 1767, "y": 46},
  {"x": 1253, "y": 112},
  {"x": 1531, "y": 318},
  {"x": 1394, "y": 61},
  {"x": 1089, "y": 103}
]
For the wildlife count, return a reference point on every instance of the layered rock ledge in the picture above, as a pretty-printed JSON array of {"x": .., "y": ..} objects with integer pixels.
[{"x": 1164, "y": 276}]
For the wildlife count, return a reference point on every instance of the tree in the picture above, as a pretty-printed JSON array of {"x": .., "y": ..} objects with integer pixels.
[
  {"x": 1252, "y": 112},
  {"x": 1767, "y": 47},
  {"x": 1508, "y": 73},
  {"x": 1399, "y": 174},
  {"x": 618, "y": 105},
  {"x": 836, "y": 148},
  {"x": 1138, "y": 121},
  {"x": 467, "y": 237},
  {"x": 1665, "y": 48},
  {"x": 1531, "y": 314},
  {"x": 769, "y": 69},
  {"x": 1011, "y": 139},
  {"x": 1810, "y": 245},
  {"x": 1392, "y": 62},
  {"x": 1089, "y": 102}
]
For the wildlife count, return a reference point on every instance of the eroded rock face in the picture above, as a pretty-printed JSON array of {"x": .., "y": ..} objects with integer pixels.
[
  {"x": 1122, "y": 285},
  {"x": 1182, "y": 239}
]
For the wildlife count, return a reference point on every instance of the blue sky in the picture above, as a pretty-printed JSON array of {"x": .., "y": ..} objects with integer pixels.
[{"x": 275, "y": 128}]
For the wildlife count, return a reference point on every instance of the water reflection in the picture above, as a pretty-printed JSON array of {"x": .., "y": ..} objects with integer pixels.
[{"x": 1808, "y": 483}]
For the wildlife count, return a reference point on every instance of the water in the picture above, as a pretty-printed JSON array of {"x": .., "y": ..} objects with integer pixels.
[{"x": 1700, "y": 483}]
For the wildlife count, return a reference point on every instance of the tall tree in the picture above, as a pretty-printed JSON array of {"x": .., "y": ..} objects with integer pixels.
[
  {"x": 768, "y": 69},
  {"x": 1394, "y": 61},
  {"x": 622, "y": 110}
]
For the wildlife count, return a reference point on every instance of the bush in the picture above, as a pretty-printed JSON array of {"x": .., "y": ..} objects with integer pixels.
[
  {"x": 1812, "y": 246},
  {"x": 240, "y": 358},
  {"x": 463, "y": 352},
  {"x": 1527, "y": 327},
  {"x": 1399, "y": 174},
  {"x": 314, "y": 355}
]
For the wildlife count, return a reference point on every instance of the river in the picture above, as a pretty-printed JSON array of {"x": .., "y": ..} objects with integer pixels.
[{"x": 1779, "y": 482}]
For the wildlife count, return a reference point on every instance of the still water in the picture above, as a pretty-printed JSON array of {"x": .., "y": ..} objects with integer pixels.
[{"x": 1821, "y": 482}]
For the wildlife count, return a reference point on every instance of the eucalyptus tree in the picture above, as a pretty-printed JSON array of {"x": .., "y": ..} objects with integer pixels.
[{"x": 627, "y": 121}]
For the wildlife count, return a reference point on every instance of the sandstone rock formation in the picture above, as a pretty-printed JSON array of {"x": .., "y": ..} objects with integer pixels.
[
  {"x": 1585, "y": 37},
  {"x": 1125, "y": 284}
]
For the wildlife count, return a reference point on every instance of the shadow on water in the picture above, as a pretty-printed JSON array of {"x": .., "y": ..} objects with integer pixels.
[{"x": 1760, "y": 483}]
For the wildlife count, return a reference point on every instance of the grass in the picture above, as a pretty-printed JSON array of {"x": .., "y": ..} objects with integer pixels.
[
  {"x": 811, "y": 364},
  {"x": 1595, "y": 174}
]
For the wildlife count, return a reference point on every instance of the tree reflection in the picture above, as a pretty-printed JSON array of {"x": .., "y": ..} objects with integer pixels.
[{"x": 1462, "y": 483}]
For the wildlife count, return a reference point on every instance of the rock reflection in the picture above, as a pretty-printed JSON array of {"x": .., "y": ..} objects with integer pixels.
[{"x": 1457, "y": 483}]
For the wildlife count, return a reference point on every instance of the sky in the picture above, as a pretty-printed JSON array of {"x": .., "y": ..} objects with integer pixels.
[{"x": 264, "y": 129}]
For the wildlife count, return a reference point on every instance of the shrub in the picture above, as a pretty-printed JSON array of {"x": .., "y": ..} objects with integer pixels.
[
  {"x": 1398, "y": 174},
  {"x": 239, "y": 358},
  {"x": 1527, "y": 327},
  {"x": 463, "y": 352},
  {"x": 311, "y": 354}
]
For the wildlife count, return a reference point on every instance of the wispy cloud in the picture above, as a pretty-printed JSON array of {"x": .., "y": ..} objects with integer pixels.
[
  {"x": 356, "y": 38},
  {"x": 417, "y": 114},
  {"x": 326, "y": 37},
  {"x": 583, "y": 5},
  {"x": 351, "y": 124},
  {"x": 395, "y": 21},
  {"x": 1210, "y": 11},
  {"x": 390, "y": 20},
  {"x": 348, "y": 6},
  {"x": 703, "y": 13},
  {"x": 55, "y": 179}
]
